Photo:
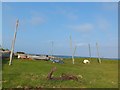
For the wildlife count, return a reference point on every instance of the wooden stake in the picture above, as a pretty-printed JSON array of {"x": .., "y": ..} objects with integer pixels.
[
  {"x": 52, "y": 48},
  {"x": 72, "y": 49},
  {"x": 89, "y": 51},
  {"x": 13, "y": 42},
  {"x": 99, "y": 60}
]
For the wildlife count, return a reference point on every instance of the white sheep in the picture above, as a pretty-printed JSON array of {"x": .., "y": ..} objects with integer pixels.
[{"x": 86, "y": 61}]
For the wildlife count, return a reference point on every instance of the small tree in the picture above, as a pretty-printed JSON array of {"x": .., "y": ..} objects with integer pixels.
[
  {"x": 20, "y": 52},
  {"x": 2, "y": 49}
]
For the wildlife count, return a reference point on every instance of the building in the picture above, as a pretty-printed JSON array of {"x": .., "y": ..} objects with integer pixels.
[
  {"x": 22, "y": 56},
  {"x": 4, "y": 53},
  {"x": 38, "y": 57}
]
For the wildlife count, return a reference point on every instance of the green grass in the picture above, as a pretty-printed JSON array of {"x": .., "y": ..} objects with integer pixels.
[{"x": 26, "y": 73}]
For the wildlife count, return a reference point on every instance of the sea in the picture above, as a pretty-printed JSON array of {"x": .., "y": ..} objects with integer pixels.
[
  {"x": 65, "y": 56},
  {"x": 61, "y": 56}
]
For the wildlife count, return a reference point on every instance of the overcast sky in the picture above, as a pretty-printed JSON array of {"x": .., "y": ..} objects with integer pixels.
[{"x": 42, "y": 23}]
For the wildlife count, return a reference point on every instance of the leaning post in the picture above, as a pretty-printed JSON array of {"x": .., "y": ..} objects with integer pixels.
[
  {"x": 72, "y": 49},
  {"x": 99, "y": 60},
  {"x": 13, "y": 42}
]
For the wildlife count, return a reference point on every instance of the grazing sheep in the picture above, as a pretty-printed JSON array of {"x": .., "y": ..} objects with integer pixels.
[{"x": 86, "y": 61}]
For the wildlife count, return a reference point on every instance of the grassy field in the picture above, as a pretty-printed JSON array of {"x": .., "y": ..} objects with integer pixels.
[{"x": 31, "y": 73}]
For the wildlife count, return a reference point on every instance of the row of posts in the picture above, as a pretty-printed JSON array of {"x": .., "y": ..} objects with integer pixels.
[{"x": 73, "y": 51}]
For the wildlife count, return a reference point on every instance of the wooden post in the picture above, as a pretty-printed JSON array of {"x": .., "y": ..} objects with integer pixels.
[
  {"x": 99, "y": 60},
  {"x": 49, "y": 76},
  {"x": 89, "y": 51},
  {"x": 52, "y": 49},
  {"x": 72, "y": 49},
  {"x": 13, "y": 42}
]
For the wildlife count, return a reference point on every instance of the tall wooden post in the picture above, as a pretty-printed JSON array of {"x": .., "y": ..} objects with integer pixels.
[
  {"x": 99, "y": 60},
  {"x": 13, "y": 42},
  {"x": 89, "y": 51},
  {"x": 72, "y": 49},
  {"x": 52, "y": 49}
]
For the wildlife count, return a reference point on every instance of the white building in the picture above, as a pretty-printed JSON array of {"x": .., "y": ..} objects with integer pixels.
[{"x": 22, "y": 56}]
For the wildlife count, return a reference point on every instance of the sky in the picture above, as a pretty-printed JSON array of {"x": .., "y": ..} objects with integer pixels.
[
  {"x": 42, "y": 23},
  {"x": 60, "y": 0}
]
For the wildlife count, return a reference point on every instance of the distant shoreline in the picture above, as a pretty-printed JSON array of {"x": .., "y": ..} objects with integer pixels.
[
  {"x": 65, "y": 56},
  {"x": 85, "y": 57}
]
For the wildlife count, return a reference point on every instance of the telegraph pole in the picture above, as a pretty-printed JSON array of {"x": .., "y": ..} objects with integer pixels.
[
  {"x": 99, "y": 60},
  {"x": 13, "y": 42},
  {"x": 72, "y": 49},
  {"x": 52, "y": 48},
  {"x": 89, "y": 51}
]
